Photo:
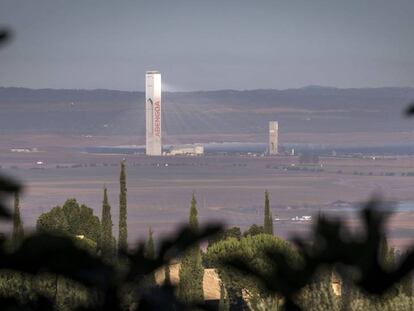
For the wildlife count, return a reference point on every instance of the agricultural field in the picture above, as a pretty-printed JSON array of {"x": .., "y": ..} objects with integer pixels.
[{"x": 229, "y": 189}]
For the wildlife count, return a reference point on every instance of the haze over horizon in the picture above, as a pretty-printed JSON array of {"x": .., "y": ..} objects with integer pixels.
[
  {"x": 168, "y": 89},
  {"x": 208, "y": 45}
]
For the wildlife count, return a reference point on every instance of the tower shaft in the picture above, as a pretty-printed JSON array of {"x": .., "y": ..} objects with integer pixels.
[
  {"x": 273, "y": 137},
  {"x": 153, "y": 113}
]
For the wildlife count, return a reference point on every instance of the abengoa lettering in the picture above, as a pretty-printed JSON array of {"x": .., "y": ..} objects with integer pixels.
[{"x": 157, "y": 118}]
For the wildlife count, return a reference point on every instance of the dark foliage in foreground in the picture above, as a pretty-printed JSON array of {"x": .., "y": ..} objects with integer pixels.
[
  {"x": 332, "y": 245},
  {"x": 356, "y": 257},
  {"x": 5, "y": 35},
  {"x": 8, "y": 187},
  {"x": 60, "y": 255},
  {"x": 410, "y": 110}
]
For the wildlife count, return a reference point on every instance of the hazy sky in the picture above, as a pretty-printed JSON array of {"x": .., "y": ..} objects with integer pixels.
[{"x": 201, "y": 45}]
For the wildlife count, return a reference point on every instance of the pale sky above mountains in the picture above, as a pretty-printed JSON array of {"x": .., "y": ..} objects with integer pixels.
[{"x": 203, "y": 45}]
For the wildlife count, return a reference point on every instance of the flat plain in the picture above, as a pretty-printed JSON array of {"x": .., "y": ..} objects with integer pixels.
[{"x": 228, "y": 189}]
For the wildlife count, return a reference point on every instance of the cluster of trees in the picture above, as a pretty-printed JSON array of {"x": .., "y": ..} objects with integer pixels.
[
  {"x": 80, "y": 222},
  {"x": 239, "y": 289},
  {"x": 249, "y": 288}
]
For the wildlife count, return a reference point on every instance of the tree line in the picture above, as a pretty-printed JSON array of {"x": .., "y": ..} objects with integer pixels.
[
  {"x": 80, "y": 222},
  {"x": 243, "y": 261}
]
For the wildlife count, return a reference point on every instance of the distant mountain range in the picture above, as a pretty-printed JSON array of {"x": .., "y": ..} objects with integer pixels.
[{"x": 109, "y": 112}]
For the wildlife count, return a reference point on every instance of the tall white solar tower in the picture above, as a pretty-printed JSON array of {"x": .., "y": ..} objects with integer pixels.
[
  {"x": 273, "y": 137},
  {"x": 153, "y": 112}
]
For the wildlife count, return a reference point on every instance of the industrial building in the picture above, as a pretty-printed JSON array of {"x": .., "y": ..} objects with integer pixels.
[
  {"x": 273, "y": 137},
  {"x": 153, "y": 120},
  {"x": 187, "y": 150},
  {"x": 153, "y": 113}
]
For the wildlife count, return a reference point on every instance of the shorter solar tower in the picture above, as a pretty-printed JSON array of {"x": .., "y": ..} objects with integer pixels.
[{"x": 273, "y": 137}]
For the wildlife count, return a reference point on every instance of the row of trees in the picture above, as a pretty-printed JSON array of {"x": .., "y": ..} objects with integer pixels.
[
  {"x": 237, "y": 290},
  {"x": 79, "y": 221},
  {"x": 229, "y": 243}
]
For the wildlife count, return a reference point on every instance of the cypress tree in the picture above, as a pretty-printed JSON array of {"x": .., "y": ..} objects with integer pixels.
[
  {"x": 18, "y": 233},
  {"x": 224, "y": 302},
  {"x": 106, "y": 234},
  {"x": 167, "y": 280},
  {"x": 407, "y": 283},
  {"x": 190, "y": 287},
  {"x": 149, "y": 247},
  {"x": 123, "y": 231},
  {"x": 193, "y": 220},
  {"x": 150, "y": 254},
  {"x": 386, "y": 253},
  {"x": 268, "y": 221},
  {"x": 319, "y": 296},
  {"x": 17, "y": 281}
]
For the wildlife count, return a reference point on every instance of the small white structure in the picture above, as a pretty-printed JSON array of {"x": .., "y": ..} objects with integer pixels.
[
  {"x": 25, "y": 150},
  {"x": 302, "y": 218},
  {"x": 187, "y": 150}
]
